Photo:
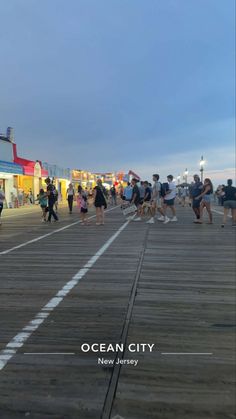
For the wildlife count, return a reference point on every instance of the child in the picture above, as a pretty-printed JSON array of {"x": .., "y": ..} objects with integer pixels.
[
  {"x": 43, "y": 200},
  {"x": 82, "y": 201}
]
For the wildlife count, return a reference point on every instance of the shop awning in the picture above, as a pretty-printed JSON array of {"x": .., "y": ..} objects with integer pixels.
[{"x": 9, "y": 167}]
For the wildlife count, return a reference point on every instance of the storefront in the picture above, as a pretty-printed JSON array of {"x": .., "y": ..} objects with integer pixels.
[
  {"x": 82, "y": 178},
  {"x": 9, "y": 173},
  {"x": 31, "y": 181},
  {"x": 60, "y": 178}
]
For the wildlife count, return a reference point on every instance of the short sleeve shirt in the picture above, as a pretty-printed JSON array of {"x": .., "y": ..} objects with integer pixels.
[
  {"x": 172, "y": 194},
  {"x": 137, "y": 193}
]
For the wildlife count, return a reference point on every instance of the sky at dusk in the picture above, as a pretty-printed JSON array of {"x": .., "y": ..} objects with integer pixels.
[{"x": 109, "y": 85}]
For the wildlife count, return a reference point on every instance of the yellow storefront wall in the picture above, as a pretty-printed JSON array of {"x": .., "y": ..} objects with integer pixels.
[{"x": 25, "y": 183}]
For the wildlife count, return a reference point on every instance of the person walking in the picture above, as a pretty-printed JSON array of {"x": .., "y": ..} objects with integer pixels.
[
  {"x": 146, "y": 205},
  {"x": 43, "y": 200},
  {"x": 206, "y": 201},
  {"x": 128, "y": 192},
  {"x": 136, "y": 198},
  {"x": 113, "y": 195},
  {"x": 82, "y": 200},
  {"x": 51, "y": 200},
  {"x": 156, "y": 200},
  {"x": 100, "y": 202},
  {"x": 141, "y": 191},
  {"x": 70, "y": 197},
  {"x": 2, "y": 199},
  {"x": 229, "y": 195},
  {"x": 195, "y": 191},
  {"x": 169, "y": 200}
]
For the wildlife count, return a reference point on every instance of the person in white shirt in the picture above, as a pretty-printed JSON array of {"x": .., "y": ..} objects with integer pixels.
[
  {"x": 169, "y": 200},
  {"x": 156, "y": 199},
  {"x": 70, "y": 197},
  {"x": 128, "y": 191},
  {"x": 2, "y": 199}
]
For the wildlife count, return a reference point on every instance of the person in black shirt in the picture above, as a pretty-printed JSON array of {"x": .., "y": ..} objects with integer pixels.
[
  {"x": 195, "y": 190},
  {"x": 229, "y": 196},
  {"x": 51, "y": 200},
  {"x": 136, "y": 197},
  {"x": 147, "y": 198},
  {"x": 100, "y": 202}
]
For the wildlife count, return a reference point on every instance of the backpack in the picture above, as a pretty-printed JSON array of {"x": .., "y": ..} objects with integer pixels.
[{"x": 164, "y": 189}]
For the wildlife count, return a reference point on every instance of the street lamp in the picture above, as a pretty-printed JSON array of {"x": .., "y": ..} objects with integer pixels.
[
  {"x": 202, "y": 162},
  {"x": 186, "y": 175}
]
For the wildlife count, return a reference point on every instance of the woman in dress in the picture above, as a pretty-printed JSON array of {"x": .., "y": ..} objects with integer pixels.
[
  {"x": 206, "y": 200},
  {"x": 99, "y": 202}
]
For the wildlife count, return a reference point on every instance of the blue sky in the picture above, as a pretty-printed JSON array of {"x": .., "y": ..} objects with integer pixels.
[{"x": 119, "y": 84}]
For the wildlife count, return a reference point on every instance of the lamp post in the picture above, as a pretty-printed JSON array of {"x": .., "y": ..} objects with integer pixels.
[{"x": 202, "y": 162}]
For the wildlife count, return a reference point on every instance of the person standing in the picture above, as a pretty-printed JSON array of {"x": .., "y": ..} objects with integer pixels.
[
  {"x": 195, "y": 191},
  {"x": 43, "y": 199},
  {"x": 141, "y": 191},
  {"x": 2, "y": 199},
  {"x": 128, "y": 192},
  {"x": 229, "y": 195},
  {"x": 82, "y": 200},
  {"x": 70, "y": 197},
  {"x": 100, "y": 202},
  {"x": 169, "y": 200},
  {"x": 136, "y": 198},
  {"x": 113, "y": 195},
  {"x": 205, "y": 197},
  {"x": 156, "y": 199},
  {"x": 51, "y": 200},
  {"x": 147, "y": 198}
]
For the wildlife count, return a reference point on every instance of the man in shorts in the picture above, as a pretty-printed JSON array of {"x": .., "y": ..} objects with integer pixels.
[
  {"x": 195, "y": 191},
  {"x": 136, "y": 198},
  {"x": 156, "y": 199},
  {"x": 169, "y": 200},
  {"x": 229, "y": 195}
]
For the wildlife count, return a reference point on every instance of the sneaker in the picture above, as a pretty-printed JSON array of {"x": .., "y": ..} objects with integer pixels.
[
  {"x": 166, "y": 220},
  {"x": 151, "y": 221},
  {"x": 137, "y": 219},
  {"x": 162, "y": 218},
  {"x": 174, "y": 219}
]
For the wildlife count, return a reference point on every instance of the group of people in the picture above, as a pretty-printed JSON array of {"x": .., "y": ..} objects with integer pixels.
[{"x": 159, "y": 198}]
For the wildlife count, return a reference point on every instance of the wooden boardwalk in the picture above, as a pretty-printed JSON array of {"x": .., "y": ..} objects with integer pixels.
[{"x": 172, "y": 285}]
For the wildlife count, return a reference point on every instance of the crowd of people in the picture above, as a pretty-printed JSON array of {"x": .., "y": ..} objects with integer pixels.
[
  {"x": 160, "y": 199},
  {"x": 156, "y": 201}
]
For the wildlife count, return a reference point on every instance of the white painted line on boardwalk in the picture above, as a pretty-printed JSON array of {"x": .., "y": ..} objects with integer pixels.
[
  {"x": 19, "y": 246},
  {"x": 221, "y": 213},
  {"x": 19, "y": 340},
  {"x": 18, "y": 215}
]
